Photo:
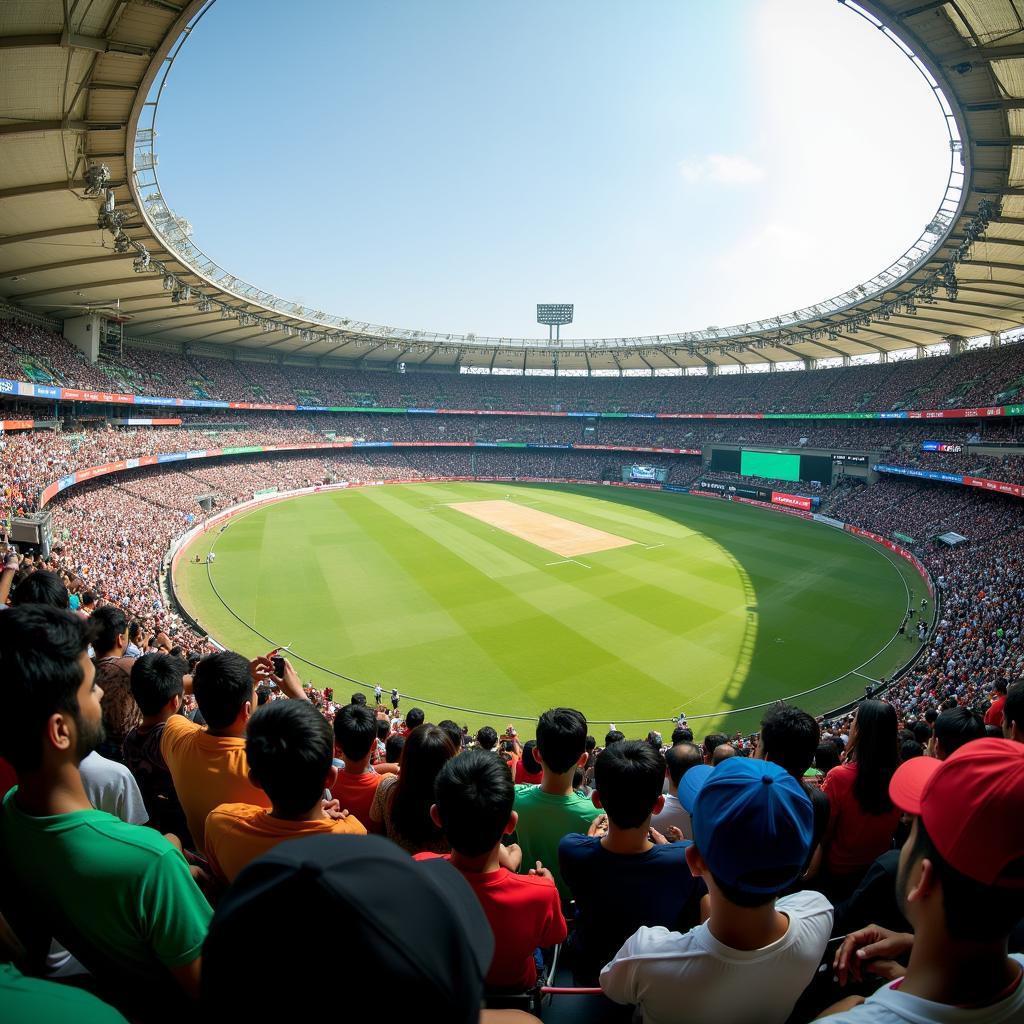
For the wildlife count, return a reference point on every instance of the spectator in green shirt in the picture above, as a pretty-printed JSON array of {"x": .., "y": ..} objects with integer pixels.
[
  {"x": 553, "y": 809},
  {"x": 119, "y": 897}
]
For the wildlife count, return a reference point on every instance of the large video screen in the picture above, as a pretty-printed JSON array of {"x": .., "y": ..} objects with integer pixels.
[{"x": 771, "y": 465}]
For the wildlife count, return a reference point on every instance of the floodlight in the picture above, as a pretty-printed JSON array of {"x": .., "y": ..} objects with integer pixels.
[
  {"x": 554, "y": 314},
  {"x": 141, "y": 263},
  {"x": 96, "y": 178}
]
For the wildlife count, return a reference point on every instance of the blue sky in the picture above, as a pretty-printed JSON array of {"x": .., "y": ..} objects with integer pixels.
[{"x": 663, "y": 164}]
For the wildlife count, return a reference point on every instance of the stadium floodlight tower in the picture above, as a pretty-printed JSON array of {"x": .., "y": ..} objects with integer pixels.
[{"x": 554, "y": 314}]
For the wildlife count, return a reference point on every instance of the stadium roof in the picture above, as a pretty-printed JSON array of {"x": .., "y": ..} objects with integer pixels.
[{"x": 81, "y": 88}]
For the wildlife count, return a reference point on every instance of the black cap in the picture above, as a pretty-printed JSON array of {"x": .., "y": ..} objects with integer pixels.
[{"x": 349, "y": 924}]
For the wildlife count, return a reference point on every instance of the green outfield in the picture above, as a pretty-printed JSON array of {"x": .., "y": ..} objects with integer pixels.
[{"x": 711, "y": 606}]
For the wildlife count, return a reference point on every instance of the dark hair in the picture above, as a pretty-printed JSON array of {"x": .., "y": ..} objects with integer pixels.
[
  {"x": 975, "y": 912},
  {"x": 826, "y": 757},
  {"x": 629, "y": 776},
  {"x": 427, "y": 749},
  {"x": 530, "y": 764},
  {"x": 383, "y": 728},
  {"x": 910, "y": 749},
  {"x": 355, "y": 730},
  {"x": 956, "y": 727},
  {"x": 874, "y": 751},
  {"x": 561, "y": 738},
  {"x": 111, "y": 622},
  {"x": 789, "y": 737},
  {"x": 680, "y": 758},
  {"x": 1013, "y": 709},
  {"x": 613, "y": 736},
  {"x": 682, "y": 734},
  {"x": 922, "y": 732},
  {"x": 486, "y": 737},
  {"x": 88, "y": 597},
  {"x": 39, "y": 650},
  {"x": 474, "y": 796},
  {"x": 290, "y": 749},
  {"x": 263, "y": 695},
  {"x": 221, "y": 684},
  {"x": 930, "y": 715},
  {"x": 742, "y": 898},
  {"x": 156, "y": 679},
  {"x": 993, "y": 731},
  {"x": 135, "y": 630},
  {"x": 1000, "y": 686},
  {"x": 359, "y": 698},
  {"x": 41, "y": 587},
  {"x": 393, "y": 748},
  {"x": 453, "y": 732},
  {"x": 590, "y": 744},
  {"x": 414, "y": 718},
  {"x": 715, "y": 739}
]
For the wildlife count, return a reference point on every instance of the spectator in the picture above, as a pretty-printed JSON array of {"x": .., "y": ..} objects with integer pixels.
[
  {"x": 623, "y": 874},
  {"x": 289, "y": 747},
  {"x": 956, "y": 727},
  {"x": 553, "y": 809},
  {"x": 208, "y": 765},
  {"x": 474, "y": 808},
  {"x": 119, "y": 897},
  {"x": 711, "y": 743},
  {"x": 41, "y": 587},
  {"x": 393, "y": 748},
  {"x": 157, "y": 687},
  {"x": 994, "y": 714},
  {"x": 863, "y": 818},
  {"x": 613, "y": 736},
  {"x": 789, "y": 737},
  {"x": 1013, "y": 713},
  {"x": 959, "y": 882},
  {"x": 486, "y": 738},
  {"x": 453, "y": 732},
  {"x": 528, "y": 769},
  {"x": 682, "y": 734},
  {"x": 910, "y": 749},
  {"x": 722, "y": 752},
  {"x": 416, "y": 927},
  {"x": 401, "y": 803},
  {"x": 414, "y": 719},
  {"x": 29, "y": 999},
  {"x": 113, "y": 674},
  {"x": 111, "y": 787},
  {"x": 752, "y": 826},
  {"x": 679, "y": 759},
  {"x": 355, "y": 732}
]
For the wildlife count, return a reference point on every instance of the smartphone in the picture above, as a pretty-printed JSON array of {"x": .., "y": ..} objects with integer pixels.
[{"x": 278, "y": 662}]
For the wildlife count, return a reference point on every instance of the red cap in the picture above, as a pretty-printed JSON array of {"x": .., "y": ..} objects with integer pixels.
[{"x": 972, "y": 806}]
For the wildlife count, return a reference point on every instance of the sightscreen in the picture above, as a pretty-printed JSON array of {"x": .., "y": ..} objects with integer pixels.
[{"x": 771, "y": 465}]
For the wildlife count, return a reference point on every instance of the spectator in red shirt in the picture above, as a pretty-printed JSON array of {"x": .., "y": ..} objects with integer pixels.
[
  {"x": 355, "y": 734},
  {"x": 863, "y": 818},
  {"x": 994, "y": 715},
  {"x": 1013, "y": 713},
  {"x": 528, "y": 769},
  {"x": 474, "y": 795}
]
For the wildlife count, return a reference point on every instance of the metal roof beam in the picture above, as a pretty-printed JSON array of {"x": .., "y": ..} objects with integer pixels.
[
  {"x": 57, "y": 289},
  {"x": 78, "y": 229},
  {"x": 982, "y": 54},
  {"x": 38, "y": 188},
  {"x": 31, "y": 127},
  {"x": 987, "y": 105}
]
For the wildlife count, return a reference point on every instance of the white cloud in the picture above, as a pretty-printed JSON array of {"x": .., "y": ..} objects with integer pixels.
[{"x": 720, "y": 169}]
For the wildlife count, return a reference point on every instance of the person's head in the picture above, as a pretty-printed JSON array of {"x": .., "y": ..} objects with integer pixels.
[
  {"x": 613, "y": 736},
  {"x": 156, "y": 682},
  {"x": 591, "y": 744},
  {"x": 1013, "y": 712},
  {"x": 111, "y": 637},
  {"x": 359, "y": 697},
  {"x": 715, "y": 739},
  {"x": 930, "y": 715},
  {"x": 874, "y": 749},
  {"x": 628, "y": 778},
  {"x": 393, "y": 747},
  {"x": 383, "y": 727},
  {"x": 224, "y": 690},
  {"x": 961, "y": 872},
  {"x": 922, "y": 732},
  {"x": 561, "y": 740},
  {"x": 654, "y": 738},
  {"x": 473, "y": 797},
  {"x": 722, "y": 752},
  {"x": 452, "y": 731},
  {"x": 88, "y": 600},
  {"x": 41, "y": 587},
  {"x": 909, "y": 749},
  {"x": 486, "y": 737},
  {"x": 956, "y": 727},
  {"x": 416, "y": 924},
  {"x": 753, "y": 825},
  {"x": 682, "y": 734},
  {"x": 679, "y": 759},
  {"x": 789, "y": 737},
  {"x": 530, "y": 763},
  {"x": 51, "y": 705},
  {"x": 290, "y": 750},
  {"x": 414, "y": 718},
  {"x": 355, "y": 730},
  {"x": 427, "y": 749},
  {"x": 826, "y": 756}
]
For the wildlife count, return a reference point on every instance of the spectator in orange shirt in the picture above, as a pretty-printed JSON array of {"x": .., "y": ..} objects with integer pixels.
[
  {"x": 290, "y": 749},
  {"x": 209, "y": 766},
  {"x": 355, "y": 733}
]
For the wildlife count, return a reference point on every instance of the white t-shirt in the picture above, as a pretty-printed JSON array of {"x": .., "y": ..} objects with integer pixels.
[
  {"x": 111, "y": 787},
  {"x": 673, "y": 813},
  {"x": 891, "y": 1006},
  {"x": 693, "y": 977}
]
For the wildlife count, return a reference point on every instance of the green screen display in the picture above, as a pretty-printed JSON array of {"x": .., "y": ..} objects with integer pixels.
[{"x": 768, "y": 464}]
